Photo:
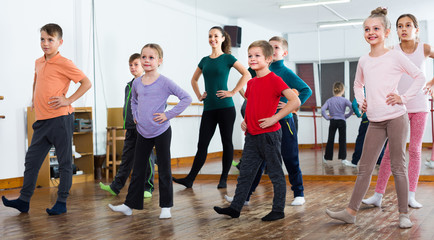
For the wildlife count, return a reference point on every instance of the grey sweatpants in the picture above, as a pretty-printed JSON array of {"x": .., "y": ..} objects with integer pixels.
[
  {"x": 396, "y": 131},
  {"x": 259, "y": 148},
  {"x": 54, "y": 131}
]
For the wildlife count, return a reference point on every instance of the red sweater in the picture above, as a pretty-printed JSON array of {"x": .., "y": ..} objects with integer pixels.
[{"x": 263, "y": 95}]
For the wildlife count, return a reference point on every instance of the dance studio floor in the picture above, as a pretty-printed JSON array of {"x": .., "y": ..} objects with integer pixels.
[{"x": 193, "y": 217}]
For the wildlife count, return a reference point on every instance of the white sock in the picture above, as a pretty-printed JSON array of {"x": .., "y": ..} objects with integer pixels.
[
  {"x": 165, "y": 213},
  {"x": 404, "y": 221},
  {"x": 298, "y": 201},
  {"x": 374, "y": 200},
  {"x": 121, "y": 208},
  {"x": 412, "y": 200},
  {"x": 230, "y": 199}
]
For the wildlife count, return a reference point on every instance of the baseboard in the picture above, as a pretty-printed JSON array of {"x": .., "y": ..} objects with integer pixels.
[{"x": 11, "y": 183}]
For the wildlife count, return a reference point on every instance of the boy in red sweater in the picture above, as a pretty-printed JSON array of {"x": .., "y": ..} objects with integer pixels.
[{"x": 263, "y": 133}]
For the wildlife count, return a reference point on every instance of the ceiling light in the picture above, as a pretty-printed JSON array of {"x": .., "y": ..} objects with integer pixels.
[
  {"x": 352, "y": 22},
  {"x": 311, "y": 3}
]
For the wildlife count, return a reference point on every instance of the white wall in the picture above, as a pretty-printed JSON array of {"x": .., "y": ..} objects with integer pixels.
[
  {"x": 19, "y": 47},
  {"x": 122, "y": 28}
]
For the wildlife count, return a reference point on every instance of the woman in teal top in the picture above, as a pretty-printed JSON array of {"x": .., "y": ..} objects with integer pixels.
[{"x": 218, "y": 104}]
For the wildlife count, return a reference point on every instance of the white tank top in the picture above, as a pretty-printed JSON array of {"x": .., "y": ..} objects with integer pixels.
[{"x": 420, "y": 102}]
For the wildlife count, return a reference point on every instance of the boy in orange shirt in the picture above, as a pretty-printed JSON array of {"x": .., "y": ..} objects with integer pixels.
[{"x": 54, "y": 119}]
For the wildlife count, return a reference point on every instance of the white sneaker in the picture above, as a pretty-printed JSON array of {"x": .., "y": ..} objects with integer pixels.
[
  {"x": 345, "y": 162},
  {"x": 429, "y": 164},
  {"x": 230, "y": 199},
  {"x": 412, "y": 200},
  {"x": 298, "y": 201},
  {"x": 375, "y": 200},
  {"x": 325, "y": 160}
]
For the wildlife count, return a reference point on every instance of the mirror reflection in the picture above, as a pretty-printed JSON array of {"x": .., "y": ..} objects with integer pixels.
[{"x": 319, "y": 56}]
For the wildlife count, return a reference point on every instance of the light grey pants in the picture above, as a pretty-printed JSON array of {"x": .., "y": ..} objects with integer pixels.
[
  {"x": 396, "y": 131},
  {"x": 54, "y": 131},
  {"x": 258, "y": 148}
]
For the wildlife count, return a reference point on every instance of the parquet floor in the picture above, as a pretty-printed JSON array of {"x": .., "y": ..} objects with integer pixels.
[{"x": 89, "y": 217}]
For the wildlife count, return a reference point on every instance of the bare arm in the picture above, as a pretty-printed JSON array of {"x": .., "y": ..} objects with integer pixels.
[
  {"x": 195, "y": 85},
  {"x": 242, "y": 93},
  {"x": 243, "y": 80},
  {"x": 429, "y": 86},
  {"x": 62, "y": 101},
  {"x": 33, "y": 92}
]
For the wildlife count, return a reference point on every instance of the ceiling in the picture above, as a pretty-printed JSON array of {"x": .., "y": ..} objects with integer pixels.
[{"x": 267, "y": 12}]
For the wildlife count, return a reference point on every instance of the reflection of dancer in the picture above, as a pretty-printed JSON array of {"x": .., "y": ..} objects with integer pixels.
[
  {"x": 218, "y": 104},
  {"x": 337, "y": 106},
  {"x": 380, "y": 72},
  {"x": 148, "y": 103},
  {"x": 417, "y": 108},
  {"x": 263, "y": 132}
]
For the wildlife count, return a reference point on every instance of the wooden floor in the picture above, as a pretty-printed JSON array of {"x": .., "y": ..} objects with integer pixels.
[
  {"x": 311, "y": 164},
  {"x": 193, "y": 216}
]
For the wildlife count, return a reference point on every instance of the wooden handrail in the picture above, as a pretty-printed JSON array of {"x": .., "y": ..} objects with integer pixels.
[
  {"x": 192, "y": 104},
  {"x": 184, "y": 116}
]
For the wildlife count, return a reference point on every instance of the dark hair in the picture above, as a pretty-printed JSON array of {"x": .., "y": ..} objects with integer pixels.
[
  {"x": 134, "y": 57},
  {"x": 267, "y": 49},
  {"x": 156, "y": 47},
  {"x": 338, "y": 87},
  {"x": 226, "y": 44},
  {"x": 411, "y": 16},
  {"x": 281, "y": 40},
  {"x": 53, "y": 30},
  {"x": 381, "y": 12}
]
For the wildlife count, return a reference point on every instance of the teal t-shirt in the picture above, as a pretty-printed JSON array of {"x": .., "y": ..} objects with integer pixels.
[{"x": 215, "y": 73}]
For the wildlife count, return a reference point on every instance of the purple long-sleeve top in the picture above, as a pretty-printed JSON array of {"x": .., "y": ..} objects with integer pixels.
[
  {"x": 336, "y": 106},
  {"x": 149, "y": 99}
]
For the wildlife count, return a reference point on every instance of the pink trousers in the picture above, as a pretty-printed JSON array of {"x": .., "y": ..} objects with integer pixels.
[{"x": 417, "y": 128}]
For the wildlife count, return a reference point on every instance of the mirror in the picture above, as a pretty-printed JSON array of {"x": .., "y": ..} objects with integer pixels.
[
  {"x": 339, "y": 51},
  {"x": 184, "y": 39}
]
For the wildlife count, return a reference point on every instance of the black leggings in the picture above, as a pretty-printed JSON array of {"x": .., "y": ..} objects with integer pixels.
[
  {"x": 143, "y": 151},
  {"x": 225, "y": 118}
]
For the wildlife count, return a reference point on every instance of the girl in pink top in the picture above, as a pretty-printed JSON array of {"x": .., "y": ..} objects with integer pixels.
[
  {"x": 417, "y": 108},
  {"x": 380, "y": 72}
]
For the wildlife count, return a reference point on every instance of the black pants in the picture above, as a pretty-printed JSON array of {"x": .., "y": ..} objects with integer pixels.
[
  {"x": 127, "y": 164},
  {"x": 340, "y": 125},
  {"x": 143, "y": 151},
  {"x": 54, "y": 131},
  {"x": 225, "y": 119}
]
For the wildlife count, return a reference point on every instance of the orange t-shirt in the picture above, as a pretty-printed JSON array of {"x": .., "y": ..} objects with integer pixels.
[{"x": 52, "y": 78}]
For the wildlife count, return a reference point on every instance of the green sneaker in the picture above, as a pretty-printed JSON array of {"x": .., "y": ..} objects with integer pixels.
[
  {"x": 107, "y": 188},
  {"x": 147, "y": 194},
  {"x": 235, "y": 164}
]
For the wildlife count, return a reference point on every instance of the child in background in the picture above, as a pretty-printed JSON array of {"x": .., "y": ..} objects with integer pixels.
[
  {"x": 54, "y": 119},
  {"x": 364, "y": 123},
  {"x": 148, "y": 103},
  {"x": 417, "y": 108},
  {"x": 263, "y": 133},
  {"x": 378, "y": 73},
  {"x": 124, "y": 171},
  {"x": 337, "y": 116}
]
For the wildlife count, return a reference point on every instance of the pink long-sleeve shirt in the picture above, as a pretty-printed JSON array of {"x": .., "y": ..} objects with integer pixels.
[{"x": 380, "y": 76}]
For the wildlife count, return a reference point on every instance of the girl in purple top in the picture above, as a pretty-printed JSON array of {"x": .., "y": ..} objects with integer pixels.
[
  {"x": 148, "y": 103},
  {"x": 337, "y": 106}
]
